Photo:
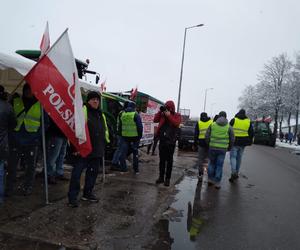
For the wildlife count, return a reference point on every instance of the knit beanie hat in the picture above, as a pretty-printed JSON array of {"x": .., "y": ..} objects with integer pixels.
[
  {"x": 91, "y": 95},
  {"x": 223, "y": 114}
]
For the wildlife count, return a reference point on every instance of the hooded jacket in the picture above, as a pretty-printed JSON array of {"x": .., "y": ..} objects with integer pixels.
[
  {"x": 200, "y": 142},
  {"x": 139, "y": 125},
  {"x": 243, "y": 141},
  {"x": 168, "y": 126},
  {"x": 221, "y": 121}
]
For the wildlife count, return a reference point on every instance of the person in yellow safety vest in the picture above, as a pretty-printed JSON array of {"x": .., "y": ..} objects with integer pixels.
[
  {"x": 99, "y": 136},
  {"x": 130, "y": 128},
  {"x": 199, "y": 141},
  {"x": 243, "y": 133},
  {"x": 117, "y": 154},
  {"x": 220, "y": 139},
  {"x": 25, "y": 140}
]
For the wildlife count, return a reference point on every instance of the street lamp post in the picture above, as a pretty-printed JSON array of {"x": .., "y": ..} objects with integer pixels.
[
  {"x": 211, "y": 108},
  {"x": 182, "y": 60},
  {"x": 205, "y": 97}
]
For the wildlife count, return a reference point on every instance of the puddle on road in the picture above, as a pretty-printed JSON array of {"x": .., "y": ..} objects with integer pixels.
[{"x": 183, "y": 221}]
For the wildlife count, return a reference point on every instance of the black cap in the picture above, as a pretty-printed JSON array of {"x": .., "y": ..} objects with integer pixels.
[
  {"x": 1, "y": 89},
  {"x": 92, "y": 94}
]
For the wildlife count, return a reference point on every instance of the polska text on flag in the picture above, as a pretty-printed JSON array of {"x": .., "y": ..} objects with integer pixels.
[{"x": 54, "y": 81}]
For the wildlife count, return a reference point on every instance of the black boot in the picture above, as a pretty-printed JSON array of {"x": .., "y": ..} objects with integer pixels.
[
  {"x": 232, "y": 178},
  {"x": 167, "y": 182},
  {"x": 159, "y": 180}
]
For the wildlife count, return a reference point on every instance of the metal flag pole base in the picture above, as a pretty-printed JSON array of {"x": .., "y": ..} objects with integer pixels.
[
  {"x": 103, "y": 169},
  {"x": 44, "y": 158}
]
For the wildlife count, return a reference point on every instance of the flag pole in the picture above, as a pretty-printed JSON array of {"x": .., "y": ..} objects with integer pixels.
[
  {"x": 18, "y": 85},
  {"x": 44, "y": 157},
  {"x": 103, "y": 158},
  {"x": 103, "y": 167}
]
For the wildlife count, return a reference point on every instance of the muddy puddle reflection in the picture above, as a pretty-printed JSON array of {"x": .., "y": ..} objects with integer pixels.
[{"x": 186, "y": 217}]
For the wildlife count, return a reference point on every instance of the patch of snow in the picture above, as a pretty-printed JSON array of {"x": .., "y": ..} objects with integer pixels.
[{"x": 283, "y": 144}]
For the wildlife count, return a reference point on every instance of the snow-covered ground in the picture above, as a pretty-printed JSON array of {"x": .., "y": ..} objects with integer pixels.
[{"x": 283, "y": 144}]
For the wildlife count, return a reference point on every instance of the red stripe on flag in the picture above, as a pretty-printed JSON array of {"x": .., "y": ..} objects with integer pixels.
[{"x": 51, "y": 89}]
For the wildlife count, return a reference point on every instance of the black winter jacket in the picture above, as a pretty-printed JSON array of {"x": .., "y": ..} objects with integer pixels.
[
  {"x": 7, "y": 123},
  {"x": 97, "y": 132}
]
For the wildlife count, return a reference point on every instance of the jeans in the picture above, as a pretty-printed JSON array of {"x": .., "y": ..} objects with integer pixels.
[
  {"x": 236, "y": 154},
  {"x": 215, "y": 166},
  {"x": 202, "y": 156},
  {"x": 166, "y": 152},
  {"x": 56, "y": 149},
  {"x": 134, "y": 147},
  {"x": 118, "y": 152},
  {"x": 92, "y": 168},
  {"x": 30, "y": 157},
  {"x": 2, "y": 173}
]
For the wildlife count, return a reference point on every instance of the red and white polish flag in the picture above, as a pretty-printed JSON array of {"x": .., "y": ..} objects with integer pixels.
[
  {"x": 45, "y": 42},
  {"x": 54, "y": 81},
  {"x": 133, "y": 94}
]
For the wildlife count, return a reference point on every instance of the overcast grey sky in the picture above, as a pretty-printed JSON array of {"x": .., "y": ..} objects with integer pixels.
[{"x": 139, "y": 42}]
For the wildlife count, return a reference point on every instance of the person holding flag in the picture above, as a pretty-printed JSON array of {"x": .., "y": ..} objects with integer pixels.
[
  {"x": 99, "y": 135},
  {"x": 54, "y": 82}
]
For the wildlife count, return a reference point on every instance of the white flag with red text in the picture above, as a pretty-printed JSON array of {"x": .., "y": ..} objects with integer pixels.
[
  {"x": 45, "y": 42},
  {"x": 54, "y": 81}
]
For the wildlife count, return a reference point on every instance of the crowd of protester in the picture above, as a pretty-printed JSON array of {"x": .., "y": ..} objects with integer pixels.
[
  {"x": 21, "y": 140},
  {"x": 21, "y": 144}
]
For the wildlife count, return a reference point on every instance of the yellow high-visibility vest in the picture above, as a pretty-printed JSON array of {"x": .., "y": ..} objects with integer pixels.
[
  {"x": 31, "y": 118},
  {"x": 203, "y": 126},
  {"x": 129, "y": 128},
  {"x": 219, "y": 137},
  {"x": 241, "y": 127}
]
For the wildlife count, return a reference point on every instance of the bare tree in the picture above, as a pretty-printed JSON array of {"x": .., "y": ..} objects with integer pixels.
[
  {"x": 248, "y": 101},
  {"x": 296, "y": 83},
  {"x": 272, "y": 79}
]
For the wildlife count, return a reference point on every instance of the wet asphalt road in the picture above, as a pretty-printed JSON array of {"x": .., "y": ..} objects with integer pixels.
[{"x": 260, "y": 211}]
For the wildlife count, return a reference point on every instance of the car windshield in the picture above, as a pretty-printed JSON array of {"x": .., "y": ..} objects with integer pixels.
[
  {"x": 262, "y": 126},
  {"x": 190, "y": 123}
]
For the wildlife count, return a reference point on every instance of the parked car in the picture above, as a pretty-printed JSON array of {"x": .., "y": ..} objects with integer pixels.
[{"x": 186, "y": 135}]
